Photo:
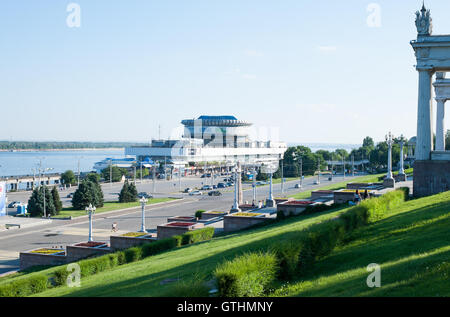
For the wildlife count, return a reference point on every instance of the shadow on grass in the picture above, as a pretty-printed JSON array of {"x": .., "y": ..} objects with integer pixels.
[{"x": 397, "y": 238}]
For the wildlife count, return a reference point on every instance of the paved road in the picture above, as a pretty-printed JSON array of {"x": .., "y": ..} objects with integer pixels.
[{"x": 63, "y": 232}]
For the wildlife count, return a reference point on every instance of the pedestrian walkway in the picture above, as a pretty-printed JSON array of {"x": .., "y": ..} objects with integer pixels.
[{"x": 9, "y": 222}]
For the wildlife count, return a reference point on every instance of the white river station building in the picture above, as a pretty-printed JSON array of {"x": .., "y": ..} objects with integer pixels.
[{"x": 210, "y": 142}]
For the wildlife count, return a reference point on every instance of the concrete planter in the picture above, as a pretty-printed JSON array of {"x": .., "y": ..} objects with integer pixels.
[
  {"x": 176, "y": 228},
  {"x": 121, "y": 242},
  {"x": 295, "y": 207},
  {"x": 182, "y": 219},
  {"x": 210, "y": 215},
  {"x": 28, "y": 259},
  {"x": 321, "y": 193},
  {"x": 236, "y": 223},
  {"x": 77, "y": 252}
]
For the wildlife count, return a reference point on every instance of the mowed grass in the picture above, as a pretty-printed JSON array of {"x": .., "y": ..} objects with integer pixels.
[
  {"x": 412, "y": 247},
  {"x": 144, "y": 278},
  {"x": 363, "y": 179},
  {"x": 108, "y": 206}
]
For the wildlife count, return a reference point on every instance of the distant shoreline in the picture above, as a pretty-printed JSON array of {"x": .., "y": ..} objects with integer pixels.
[{"x": 54, "y": 150}]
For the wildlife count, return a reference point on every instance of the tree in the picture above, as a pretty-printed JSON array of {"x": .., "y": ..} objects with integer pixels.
[
  {"x": 368, "y": 142},
  {"x": 128, "y": 193},
  {"x": 87, "y": 193},
  {"x": 93, "y": 177},
  {"x": 68, "y": 178},
  {"x": 56, "y": 200},
  {"x": 36, "y": 203},
  {"x": 117, "y": 173}
]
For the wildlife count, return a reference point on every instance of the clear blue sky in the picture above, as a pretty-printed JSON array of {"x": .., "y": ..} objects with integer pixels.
[{"x": 313, "y": 69}]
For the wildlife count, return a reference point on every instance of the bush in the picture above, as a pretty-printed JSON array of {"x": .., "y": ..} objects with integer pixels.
[
  {"x": 198, "y": 235},
  {"x": 87, "y": 193},
  {"x": 249, "y": 275},
  {"x": 25, "y": 286},
  {"x": 156, "y": 247},
  {"x": 287, "y": 253},
  {"x": 128, "y": 193},
  {"x": 198, "y": 213},
  {"x": 133, "y": 254}
]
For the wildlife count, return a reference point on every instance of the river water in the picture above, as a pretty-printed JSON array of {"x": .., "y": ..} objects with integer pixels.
[{"x": 22, "y": 163}]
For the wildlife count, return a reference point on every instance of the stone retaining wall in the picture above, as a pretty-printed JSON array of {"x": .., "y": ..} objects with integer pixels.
[
  {"x": 75, "y": 253},
  {"x": 120, "y": 243},
  {"x": 28, "y": 260},
  {"x": 431, "y": 177},
  {"x": 235, "y": 223}
]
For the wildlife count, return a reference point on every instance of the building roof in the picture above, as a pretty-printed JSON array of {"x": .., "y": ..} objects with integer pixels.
[{"x": 216, "y": 121}]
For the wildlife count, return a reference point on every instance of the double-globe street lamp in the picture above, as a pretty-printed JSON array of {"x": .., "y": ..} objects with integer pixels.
[
  {"x": 143, "y": 201},
  {"x": 90, "y": 210}
]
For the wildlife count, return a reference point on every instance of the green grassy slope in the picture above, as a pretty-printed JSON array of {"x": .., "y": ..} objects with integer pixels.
[
  {"x": 143, "y": 278},
  {"x": 412, "y": 246}
]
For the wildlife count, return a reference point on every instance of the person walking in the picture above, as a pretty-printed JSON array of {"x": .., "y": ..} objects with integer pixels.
[{"x": 114, "y": 227}]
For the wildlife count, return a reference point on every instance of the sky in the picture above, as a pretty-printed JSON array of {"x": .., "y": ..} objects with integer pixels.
[{"x": 321, "y": 71}]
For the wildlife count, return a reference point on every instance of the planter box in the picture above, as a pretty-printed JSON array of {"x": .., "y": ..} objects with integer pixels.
[
  {"x": 294, "y": 207},
  {"x": 176, "y": 228},
  {"x": 279, "y": 200},
  {"x": 182, "y": 219},
  {"x": 342, "y": 197},
  {"x": 321, "y": 193},
  {"x": 28, "y": 259},
  {"x": 236, "y": 223},
  {"x": 80, "y": 251},
  {"x": 247, "y": 207},
  {"x": 121, "y": 242},
  {"x": 214, "y": 214},
  {"x": 363, "y": 185}
]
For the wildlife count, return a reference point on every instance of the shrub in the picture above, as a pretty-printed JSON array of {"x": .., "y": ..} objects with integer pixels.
[
  {"x": 287, "y": 253},
  {"x": 94, "y": 265},
  {"x": 198, "y": 213},
  {"x": 198, "y": 235},
  {"x": 249, "y": 275},
  {"x": 133, "y": 254},
  {"x": 24, "y": 286},
  {"x": 153, "y": 248},
  {"x": 178, "y": 240}
]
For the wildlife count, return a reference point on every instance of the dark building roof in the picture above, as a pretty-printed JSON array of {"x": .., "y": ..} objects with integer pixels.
[{"x": 216, "y": 121}]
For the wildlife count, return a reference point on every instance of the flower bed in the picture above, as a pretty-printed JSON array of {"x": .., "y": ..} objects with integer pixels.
[
  {"x": 48, "y": 251},
  {"x": 91, "y": 244},
  {"x": 298, "y": 203},
  {"x": 180, "y": 224},
  {"x": 134, "y": 234},
  {"x": 246, "y": 214}
]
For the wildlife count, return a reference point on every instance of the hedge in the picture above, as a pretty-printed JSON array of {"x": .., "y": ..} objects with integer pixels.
[
  {"x": 249, "y": 275},
  {"x": 198, "y": 213},
  {"x": 198, "y": 235},
  {"x": 300, "y": 250},
  {"x": 24, "y": 286}
]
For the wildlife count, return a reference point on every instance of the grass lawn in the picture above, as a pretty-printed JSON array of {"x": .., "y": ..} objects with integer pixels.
[
  {"x": 108, "y": 206},
  {"x": 412, "y": 246},
  {"x": 143, "y": 278},
  {"x": 335, "y": 186}
]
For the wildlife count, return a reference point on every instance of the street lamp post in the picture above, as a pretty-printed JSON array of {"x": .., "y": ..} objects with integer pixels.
[
  {"x": 90, "y": 210},
  {"x": 254, "y": 185},
  {"x": 300, "y": 163},
  {"x": 402, "y": 168},
  {"x": 353, "y": 165},
  {"x": 143, "y": 201},
  {"x": 235, "y": 203},
  {"x": 282, "y": 178},
  {"x": 389, "y": 180}
]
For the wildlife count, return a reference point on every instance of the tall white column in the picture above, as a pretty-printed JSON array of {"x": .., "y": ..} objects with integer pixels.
[
  {"x": 424, "y": 144},
  {"x": 440, "y": 130}
]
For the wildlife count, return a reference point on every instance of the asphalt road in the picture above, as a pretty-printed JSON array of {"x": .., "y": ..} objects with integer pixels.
[{"x": 64, "y": 232}]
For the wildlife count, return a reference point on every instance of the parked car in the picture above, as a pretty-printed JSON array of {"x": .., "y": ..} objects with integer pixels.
[
  {"x": 145, "y": 195},
  {"x": 187, "y": 190},
  {"x": 214, "y": 193},
  {"x": 14, "y": 204},
  {"x": 70, "y": 195},
  {"x": 221, "y": 185},
  {"x": 297, "y": 186},
  {"x": 230, "y": 184},
  {"x": 195, "y": 193},
  {"x": 316, "y": 183},
  {"x": 206, "y": 187},
  {"x": 214, "y": 186}
]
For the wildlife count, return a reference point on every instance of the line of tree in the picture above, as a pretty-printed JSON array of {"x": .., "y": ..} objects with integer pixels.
[
  {"x": 377, "y": 156},
  {"x": 26, "y": 145},
  {"x": 53, "y": 204}
]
